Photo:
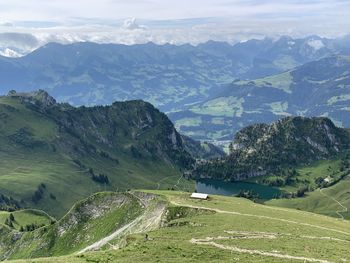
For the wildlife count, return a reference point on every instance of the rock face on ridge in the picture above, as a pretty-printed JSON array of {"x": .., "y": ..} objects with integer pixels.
[{"x": 262, "y": 148}]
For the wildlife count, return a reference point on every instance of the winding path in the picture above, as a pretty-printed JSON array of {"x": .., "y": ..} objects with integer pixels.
[
  {"x": 254, "y": 251},
  {"x": 166, "y": 178},
  {"x": 210, "y": 241},
  {"x": 338, "y": 212},
  {"x": 262, "y": 217},
  {"x": 97, "y": 245},
  {"x": 148, "y": 220}
]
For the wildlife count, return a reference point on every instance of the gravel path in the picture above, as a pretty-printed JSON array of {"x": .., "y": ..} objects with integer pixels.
[{"x": 256, "y": 252}]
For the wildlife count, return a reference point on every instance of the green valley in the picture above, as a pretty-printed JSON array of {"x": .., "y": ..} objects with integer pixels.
[
  {"x": 175, "y": 131},
  {"x": 68, "y": 174},
  {"x": 317, "y": 88}
]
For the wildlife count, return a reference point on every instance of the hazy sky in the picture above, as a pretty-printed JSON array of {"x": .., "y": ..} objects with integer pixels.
[
  {"x": 178, "y": 21},
  {"x": 65, "y": 10}
]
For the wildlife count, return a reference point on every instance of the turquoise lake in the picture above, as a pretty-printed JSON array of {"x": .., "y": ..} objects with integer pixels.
[{"x": 218, "y": 187}]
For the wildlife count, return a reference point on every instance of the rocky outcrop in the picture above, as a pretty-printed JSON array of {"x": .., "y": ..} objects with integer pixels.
[
  {"x": 40, "y": 97},
  {"x": 292, "y": 141}
]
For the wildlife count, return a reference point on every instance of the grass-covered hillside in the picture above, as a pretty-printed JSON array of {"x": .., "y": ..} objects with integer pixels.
[
  {"x": 333, "y": 200},
  {"x": 221, "y": 229},
  {"x": 86, "y": 223},
  {"x": 320, "y": 187},
  {"x": 23, "y": 220},
  {"x": 317, "y": 174},
  {"x": 263, "y": 149},
  {"x": 318, "y": 88},
  {"x": 52, "y": 155}
]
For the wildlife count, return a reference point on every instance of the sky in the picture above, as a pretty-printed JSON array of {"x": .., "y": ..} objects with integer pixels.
[{"x": 166, "y": 21}]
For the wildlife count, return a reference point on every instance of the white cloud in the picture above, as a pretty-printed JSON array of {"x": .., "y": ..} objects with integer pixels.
[
  {"x": 166, "y": 21},
  {"x": 24, "y": 40},
  {"x": 131, "y": 24},
  {"x": 18, "y": 40}
]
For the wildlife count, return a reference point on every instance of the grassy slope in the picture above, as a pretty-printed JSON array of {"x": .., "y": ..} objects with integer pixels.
[
  {"x": 87, "y": 222},
  {"x": 318, "y": 201},
  {"x": 26, "y": 217},
  {"x": 22, "y": 169},
  {"x": 251, "y": 229},
  {"x": 69, "y": 183},
  {"x": 281, "y": 81},
  {"x": 307, "y": 174},
  {"x": 323, "y": 201}
]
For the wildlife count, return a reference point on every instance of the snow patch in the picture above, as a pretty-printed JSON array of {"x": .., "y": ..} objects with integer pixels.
[
  {"x": 316, "y": 44},
  {"x": 7, "y": 52}
]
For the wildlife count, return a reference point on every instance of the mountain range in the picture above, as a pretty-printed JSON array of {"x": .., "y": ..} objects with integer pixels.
[
  {"x": 187, "y": 82},
  {"x": 317, "y": 88},
  {"x": 164, "y": 153},
  {"x": 54, "y": 156}
]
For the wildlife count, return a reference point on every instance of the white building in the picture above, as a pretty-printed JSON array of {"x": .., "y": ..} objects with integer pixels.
[{"x": 199, "y": 196}]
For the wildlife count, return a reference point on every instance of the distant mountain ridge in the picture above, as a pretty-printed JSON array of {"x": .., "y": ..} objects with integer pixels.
[
  {"x": 187, "y": 82},
  {"x": 317, "y": 88},
  {"x": 165, "y": 75},
  {"x": 261, "y": 149}
]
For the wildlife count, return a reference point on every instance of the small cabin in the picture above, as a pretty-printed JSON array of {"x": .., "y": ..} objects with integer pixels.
[
  {"x": 327, "y": 180},
  {"x": 199, "y": 196}
]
